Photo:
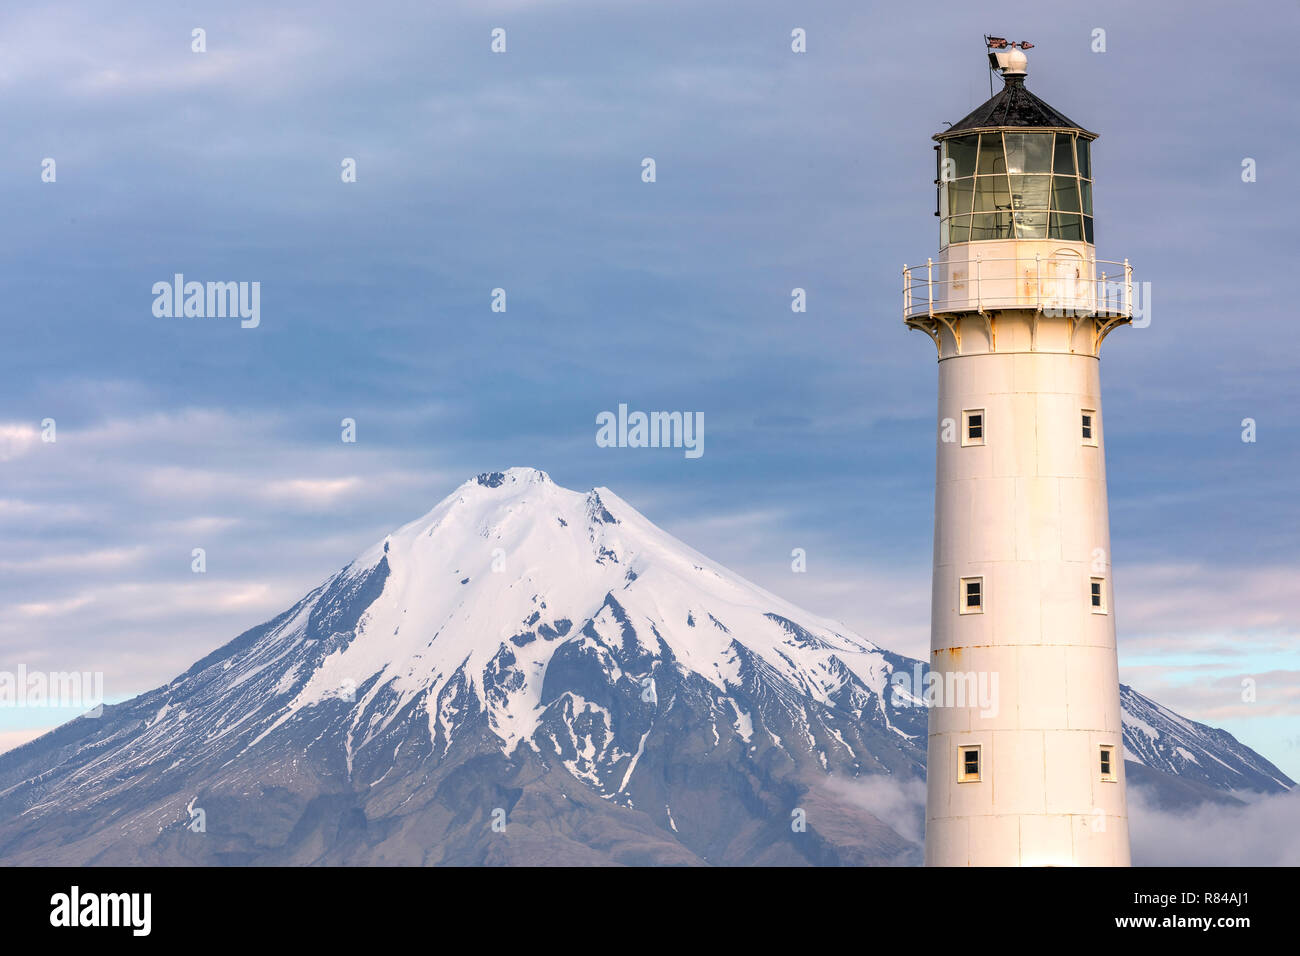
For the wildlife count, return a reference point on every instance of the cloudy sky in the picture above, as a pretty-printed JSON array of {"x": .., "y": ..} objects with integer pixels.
[{"x": 522, "y": 171}]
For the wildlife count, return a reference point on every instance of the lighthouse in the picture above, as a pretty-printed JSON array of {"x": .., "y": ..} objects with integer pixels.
[{"x": 1018, "y": 306}]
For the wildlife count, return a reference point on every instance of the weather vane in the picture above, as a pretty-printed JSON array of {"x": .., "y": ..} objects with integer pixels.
[
  {"x": 1000, "y": 61},
  {"x": 999, "y": 43}
]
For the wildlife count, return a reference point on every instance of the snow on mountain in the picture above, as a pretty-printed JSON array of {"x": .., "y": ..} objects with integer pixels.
[
  {"x": 1156, "y": 737},
  {"x": 489, "y": 584},
  {"x": 520, "y": 650}
]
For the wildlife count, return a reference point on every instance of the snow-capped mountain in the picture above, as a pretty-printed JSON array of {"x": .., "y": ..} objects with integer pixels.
[
  {"x": 1159, "y": 739},
  {"x": 524, "y": 674}
]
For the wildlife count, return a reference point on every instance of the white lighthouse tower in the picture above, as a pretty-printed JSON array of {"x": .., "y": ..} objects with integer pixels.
[{"x": 1018, "y": 305}]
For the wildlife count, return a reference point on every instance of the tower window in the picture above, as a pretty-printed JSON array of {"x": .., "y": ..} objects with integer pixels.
[
  {"x": 1088, "y": 420},
  {"x": 1108, "y": 764},
  {"x": 1097, "y": 595},
  {"x": 971, "y": 596},
  {"x": 968, "y": 764},
  {"x": 972, "y": 420}
]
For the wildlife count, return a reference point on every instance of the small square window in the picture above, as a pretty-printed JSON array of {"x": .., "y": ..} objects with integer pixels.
[
  {"x": 1088, "y": 426},
  {"x": 1097, "y": 595},
  {"x": 1108, "y": 764},
  {"x": 971, "y": 596},
  {"x": 968, "y": 764},
  {"x": 972, "y": 426}
]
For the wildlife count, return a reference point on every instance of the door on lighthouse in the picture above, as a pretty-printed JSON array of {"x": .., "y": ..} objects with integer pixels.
[{"x": 1064, "y": 284}]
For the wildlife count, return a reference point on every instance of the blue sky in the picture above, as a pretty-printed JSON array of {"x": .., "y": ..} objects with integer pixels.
[{"x": 523, "y": 171}]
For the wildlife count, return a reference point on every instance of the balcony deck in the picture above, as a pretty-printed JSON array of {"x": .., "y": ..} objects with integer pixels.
[{"x": 1068, "y": 286}]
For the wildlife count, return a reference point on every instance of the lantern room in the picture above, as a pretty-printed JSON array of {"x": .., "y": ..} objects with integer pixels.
[
  {"x": 1015, "y": 184},
  {"x": 1015, "y": 209}
]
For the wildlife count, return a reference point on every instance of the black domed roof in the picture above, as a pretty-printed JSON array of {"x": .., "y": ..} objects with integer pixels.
[{"x": 1014, "y": 107}]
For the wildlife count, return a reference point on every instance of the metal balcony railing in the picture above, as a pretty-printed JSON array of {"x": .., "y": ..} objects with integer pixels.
[{"x": 1053, "y": 285}]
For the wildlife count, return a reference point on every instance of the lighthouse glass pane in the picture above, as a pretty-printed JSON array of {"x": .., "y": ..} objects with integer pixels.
[
  {"x": 962, "y": 152},
  {"x": 1085, "y": 167},
  {"x": 1029, "y": 152},
  {"x": 992, "y": 194},
  {"x": 1087, "y": 230},
  {"x": 1066, "y": 226},
  {"x": 992, "y": 159},
  {"x": 1031, "y": 225},
  {"x": 959, "y": 229},
  {"x": 1030, "y": 192},
  {"x": 1063, "y": 164},
  {"x": 991, "y": 226},
  {"x": 959, "y": 197},
  {"x": 1065, "y": 193},
  {"x": 1029, "y": 198},
  {"x": 1085, "y": 190}
]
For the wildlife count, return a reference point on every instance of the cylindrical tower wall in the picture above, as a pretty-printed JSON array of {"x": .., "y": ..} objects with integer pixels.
[{"x": 1021, "y": 512}]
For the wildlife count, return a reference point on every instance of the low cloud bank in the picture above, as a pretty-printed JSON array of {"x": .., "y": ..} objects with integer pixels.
[
  {"x": 899, "y": 804},
  {"x": 1261, "y": 833}
]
